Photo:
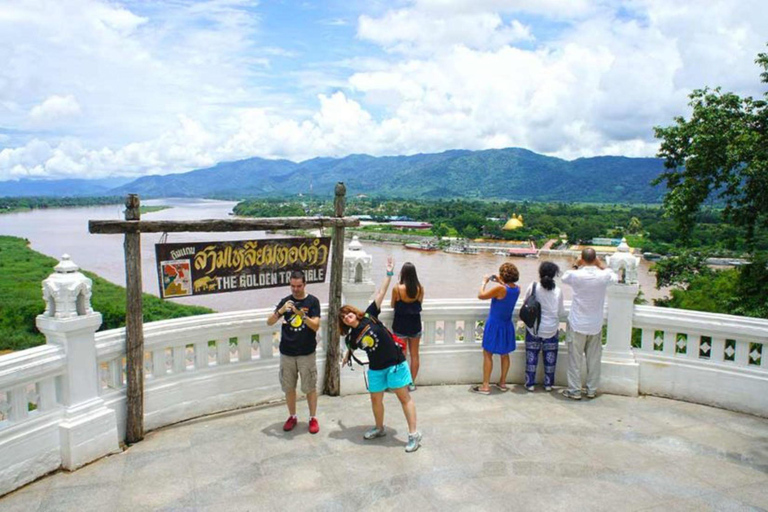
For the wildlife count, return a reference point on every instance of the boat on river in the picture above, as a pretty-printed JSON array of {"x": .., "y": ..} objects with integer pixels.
[
  {"x": 426, "y": 246},
  {"x": 461, "y": 249}
]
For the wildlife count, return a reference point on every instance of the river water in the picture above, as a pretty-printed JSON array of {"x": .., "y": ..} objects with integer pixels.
[{"x": 65, "y": 230}]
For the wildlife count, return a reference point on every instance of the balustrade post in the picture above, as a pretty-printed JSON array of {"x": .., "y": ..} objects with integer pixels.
[
  {"x": 621, "y": 305},
  {"x": 620, "y": 371},
  {"x": 88, "y": 430}
]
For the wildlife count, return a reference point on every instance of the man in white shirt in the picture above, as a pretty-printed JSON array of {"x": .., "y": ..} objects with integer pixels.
[{"x": 589, "y": 280}]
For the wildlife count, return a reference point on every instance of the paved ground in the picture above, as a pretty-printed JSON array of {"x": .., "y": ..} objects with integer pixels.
[{"x": 511, "y": 451}]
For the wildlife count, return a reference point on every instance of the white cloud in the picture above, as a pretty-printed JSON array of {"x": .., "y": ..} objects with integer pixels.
[
  {"x": 147, "y": 88},
  {"x": 414, "y": 31},
  {"x": 53, "y": 111}
]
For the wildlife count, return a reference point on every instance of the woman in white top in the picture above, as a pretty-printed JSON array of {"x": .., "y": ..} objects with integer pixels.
[{"x": 545, "y": 335}]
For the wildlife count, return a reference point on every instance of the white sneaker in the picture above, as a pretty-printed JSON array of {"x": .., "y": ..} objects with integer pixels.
[
  {"x": 414, "y": 441},
  {"x": 373, "y": 433}
]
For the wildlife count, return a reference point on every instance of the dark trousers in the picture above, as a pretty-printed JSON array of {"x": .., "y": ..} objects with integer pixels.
[{"x": 534, "y": 344}]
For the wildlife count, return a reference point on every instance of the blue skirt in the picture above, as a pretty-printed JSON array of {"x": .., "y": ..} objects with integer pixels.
[{"x": 499, "y": 336}]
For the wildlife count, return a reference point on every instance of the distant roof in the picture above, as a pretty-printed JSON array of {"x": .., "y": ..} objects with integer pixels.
[
  {"x": 514, "y": 222},
  {"x": 411, "y": 224}
]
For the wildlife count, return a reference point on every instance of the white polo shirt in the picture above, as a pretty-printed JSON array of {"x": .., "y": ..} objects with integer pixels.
[{"x": 589, "y": 284}]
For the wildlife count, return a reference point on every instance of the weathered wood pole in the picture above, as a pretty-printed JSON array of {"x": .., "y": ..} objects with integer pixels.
[
  {"x": 332, "y": 384},
  {"x": 134, "y": 328}
]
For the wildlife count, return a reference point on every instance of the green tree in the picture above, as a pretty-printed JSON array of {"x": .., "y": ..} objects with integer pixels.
[
  {"x": 440, "y": 230},
  {"x": 635, "y": 226},
  {"x": 721, "y": 152},
  {"x": 680, "y": 270}
]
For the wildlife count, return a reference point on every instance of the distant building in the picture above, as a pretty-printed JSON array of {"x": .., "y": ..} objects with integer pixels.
[
  {"x": 514, "y": 222},
  {"x": 606, "y": 241},
  {"x": 402, "y": 224}
]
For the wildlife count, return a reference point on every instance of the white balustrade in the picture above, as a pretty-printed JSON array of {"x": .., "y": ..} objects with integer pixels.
[
  {"x": 703, "y": 357},
  {"x": 211, "y": 363}
]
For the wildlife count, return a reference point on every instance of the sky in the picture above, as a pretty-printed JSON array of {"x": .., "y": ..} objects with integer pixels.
[{"x": 94, "y": 89}]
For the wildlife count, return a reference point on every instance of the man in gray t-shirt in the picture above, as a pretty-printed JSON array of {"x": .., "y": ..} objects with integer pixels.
[{"x": 589, "y": 280}]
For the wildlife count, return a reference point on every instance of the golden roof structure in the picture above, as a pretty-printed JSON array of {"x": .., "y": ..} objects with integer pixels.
[{"x": 514, "y": 222}]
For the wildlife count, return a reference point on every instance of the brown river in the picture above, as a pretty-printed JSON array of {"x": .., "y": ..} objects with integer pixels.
[{"x": 58, "y": 231}]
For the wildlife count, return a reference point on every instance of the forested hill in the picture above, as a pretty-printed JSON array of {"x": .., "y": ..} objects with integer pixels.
[{"x": 499, "y": 174}]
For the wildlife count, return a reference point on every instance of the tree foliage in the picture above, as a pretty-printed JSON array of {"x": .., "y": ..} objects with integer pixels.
[
  {"x": 21, "y": 272},
  {"x": 720, "y": 153},
  {"x": 680, "y": 270}
]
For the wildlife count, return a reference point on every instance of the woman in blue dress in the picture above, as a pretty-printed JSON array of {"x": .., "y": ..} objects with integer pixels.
[{"x": 499, "y": 332}]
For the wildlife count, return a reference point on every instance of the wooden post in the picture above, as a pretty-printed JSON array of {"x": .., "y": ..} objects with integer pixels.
[
  {"x": 332, "y": 384},
  {"x": 134, "y": 328}
]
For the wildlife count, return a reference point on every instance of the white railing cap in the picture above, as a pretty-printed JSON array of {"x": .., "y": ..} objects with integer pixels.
[
  {"x": 699, "y": 321},
  {"x": 30, "y": 365}
]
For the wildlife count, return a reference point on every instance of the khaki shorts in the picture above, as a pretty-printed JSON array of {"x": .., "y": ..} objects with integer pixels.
[{"x": 293, "y": 366}]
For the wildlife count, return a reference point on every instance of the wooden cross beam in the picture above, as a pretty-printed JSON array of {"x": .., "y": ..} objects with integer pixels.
[{"x": 217, "y": 225}]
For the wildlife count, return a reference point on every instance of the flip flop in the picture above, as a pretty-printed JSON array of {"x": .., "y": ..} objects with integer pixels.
[
  {"x": 501, "y": 388},
  {"x": 476, "y": 389}
]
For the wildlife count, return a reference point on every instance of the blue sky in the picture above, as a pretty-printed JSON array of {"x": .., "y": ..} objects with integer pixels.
[{"x": 93, "y": 88}]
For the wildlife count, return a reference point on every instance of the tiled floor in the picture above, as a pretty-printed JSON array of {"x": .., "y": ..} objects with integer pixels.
[{"x": 507, "y": 451}]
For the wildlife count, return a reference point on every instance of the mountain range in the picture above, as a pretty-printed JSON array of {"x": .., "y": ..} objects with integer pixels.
[
  {"x": 509, "y": 174},
  {"x": 60, "y": 188}
]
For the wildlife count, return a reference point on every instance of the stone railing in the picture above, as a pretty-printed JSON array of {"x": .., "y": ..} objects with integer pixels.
[
  {"x": 713, "y": 359},
  {"x": 62, "y": 404},
  {"x": 198, "y": 365}
]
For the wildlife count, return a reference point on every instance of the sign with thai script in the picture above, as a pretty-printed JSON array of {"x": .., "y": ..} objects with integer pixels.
[{"x": 201, "y": 268}]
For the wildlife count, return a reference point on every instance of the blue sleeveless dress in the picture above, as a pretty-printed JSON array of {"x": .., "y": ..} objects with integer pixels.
[{"x": 499, "y": 332}]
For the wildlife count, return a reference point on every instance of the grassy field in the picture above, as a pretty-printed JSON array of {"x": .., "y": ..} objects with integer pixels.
[
  {"x": 151, "y": 209},
  {"x": 22, "y": 271}
]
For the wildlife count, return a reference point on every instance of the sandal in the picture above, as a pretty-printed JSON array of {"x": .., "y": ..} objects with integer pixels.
[
  {"x": 501, "y": 388},
  {"x": 477, "y": 389}
]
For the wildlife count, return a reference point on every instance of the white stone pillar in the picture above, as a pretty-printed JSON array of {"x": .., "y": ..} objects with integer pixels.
[
  {"x": 88, "y": 430},
  {"x": 621, "y": 305},
  {"x": 620, "y": 371},
  {"x": 357, "y": 287}
]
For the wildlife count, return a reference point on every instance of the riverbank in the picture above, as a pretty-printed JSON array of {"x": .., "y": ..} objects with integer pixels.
[{"x": 23, "y": 269}]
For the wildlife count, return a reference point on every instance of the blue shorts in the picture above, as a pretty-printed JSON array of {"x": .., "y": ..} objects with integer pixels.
[{"x": 393, "y": 377}]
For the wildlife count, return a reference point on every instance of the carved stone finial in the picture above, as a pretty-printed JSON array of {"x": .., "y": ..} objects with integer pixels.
[
  {"x": 357, "y": 264},
  {"x": 624, "y": 263},
  {"x": 355, "y": 244},
  {"x": 66, "y": 265},
  {"x": 67, "y": 292}
]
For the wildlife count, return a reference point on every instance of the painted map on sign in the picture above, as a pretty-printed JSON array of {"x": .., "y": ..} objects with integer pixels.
[{"x": 176, "y": 278}]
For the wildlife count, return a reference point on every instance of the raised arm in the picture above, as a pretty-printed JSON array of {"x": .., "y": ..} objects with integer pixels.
[
  {"x": 385, "y": 284},
  {"x": 495, "y": 292}
]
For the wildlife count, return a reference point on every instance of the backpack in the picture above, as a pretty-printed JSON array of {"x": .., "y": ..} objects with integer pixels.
[{"x": 530, "y": 311}]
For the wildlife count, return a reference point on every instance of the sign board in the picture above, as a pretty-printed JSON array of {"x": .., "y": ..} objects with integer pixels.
[{"x": 202, "y": 268}]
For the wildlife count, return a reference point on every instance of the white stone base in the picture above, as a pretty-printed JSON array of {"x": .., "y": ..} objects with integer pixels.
[
  {"x": 732, "y": 388},
  {"x": 87, "y": 432},
  {"x": 29, "y": 451},
  {"x": 620, "y": 377}
]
